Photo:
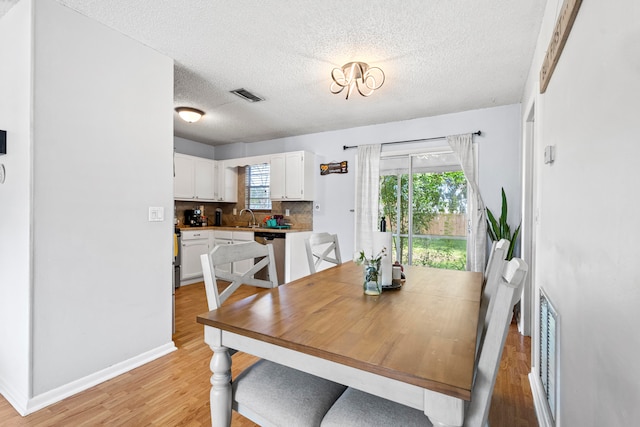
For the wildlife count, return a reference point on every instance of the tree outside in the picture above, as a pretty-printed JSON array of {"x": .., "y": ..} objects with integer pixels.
[{"x": 439, "y": 208}]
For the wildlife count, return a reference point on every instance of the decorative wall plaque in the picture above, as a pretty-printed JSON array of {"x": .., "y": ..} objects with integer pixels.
[
  {"x": 335, "y": 167},
  {"x": 561, "y": 32}
]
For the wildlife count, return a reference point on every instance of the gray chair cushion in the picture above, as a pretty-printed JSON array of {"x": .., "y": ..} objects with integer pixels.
[
  {"x": 358, "y": 409},
  {"x": 284, "y": 396}
]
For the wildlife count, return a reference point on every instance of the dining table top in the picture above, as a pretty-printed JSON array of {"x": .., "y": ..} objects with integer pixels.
[{"x": 422, "y": 334}]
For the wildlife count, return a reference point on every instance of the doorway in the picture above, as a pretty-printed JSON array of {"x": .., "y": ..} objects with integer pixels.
[
  {"x": 529, "y": 219},
  {"x": 423, "y": 198}
]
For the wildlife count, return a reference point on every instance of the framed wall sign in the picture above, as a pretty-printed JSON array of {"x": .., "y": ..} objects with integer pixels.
[{"x": 334, "y": 167}]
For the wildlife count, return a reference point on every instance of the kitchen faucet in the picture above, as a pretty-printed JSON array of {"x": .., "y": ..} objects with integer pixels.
[{"x": 253, "y": 222}]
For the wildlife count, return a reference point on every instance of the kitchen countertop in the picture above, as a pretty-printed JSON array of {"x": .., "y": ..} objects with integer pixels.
[{"x": 234, "y": 228}]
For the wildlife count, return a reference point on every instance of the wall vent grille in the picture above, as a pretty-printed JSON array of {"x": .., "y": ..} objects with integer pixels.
[{"x": 548, "y": 351}]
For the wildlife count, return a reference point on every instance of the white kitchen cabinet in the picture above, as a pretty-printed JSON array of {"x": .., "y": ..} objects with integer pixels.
[
  {"x": 296, "y": 264},
  {"x": 246, "y": 264},
  {"x": 205, "y": 188},
  {"x": 226, "y": 182},
  {"x": 194, "y": 243},
  {"x": 184, "y": 178},
  {"x": 223, "y": 267},
  {"x": 292, "y": 176},
  {"x": 221, "y": 237},
  {"x": 194, "y": 178}
]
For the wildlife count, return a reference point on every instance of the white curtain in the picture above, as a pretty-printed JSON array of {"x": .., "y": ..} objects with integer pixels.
[
  {"x": 462, "y": 146},
  {"x": 367, "y": 196}
]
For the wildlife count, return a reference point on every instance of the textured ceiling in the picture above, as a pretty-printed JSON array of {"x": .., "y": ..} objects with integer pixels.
[{"x": 439, "y": 56}]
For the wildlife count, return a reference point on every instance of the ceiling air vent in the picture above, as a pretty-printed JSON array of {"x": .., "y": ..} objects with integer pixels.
[{"x": 246, "y": 95}]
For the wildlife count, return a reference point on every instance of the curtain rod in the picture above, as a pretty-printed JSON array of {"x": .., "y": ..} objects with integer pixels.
[{"x": 346, "y": 147}]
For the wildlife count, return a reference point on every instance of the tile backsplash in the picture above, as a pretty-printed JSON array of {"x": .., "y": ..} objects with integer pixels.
[{"x": 300, "y": 213}]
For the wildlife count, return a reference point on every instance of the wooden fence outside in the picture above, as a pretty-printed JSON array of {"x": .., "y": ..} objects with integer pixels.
[{"x": 448, "y": 225}]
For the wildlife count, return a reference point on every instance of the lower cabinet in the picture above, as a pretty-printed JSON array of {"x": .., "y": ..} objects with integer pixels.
[
  {"x": 244, "y": 265},
  {"x": 218, "y": 242},
  {"x": 198, "y": 242},
  {"x": 231, "y": 238},
  {"x": 194, "y": 244}
]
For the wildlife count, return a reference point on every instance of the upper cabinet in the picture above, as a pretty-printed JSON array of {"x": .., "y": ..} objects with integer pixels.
[
  {"x": 183, "y": 177},
  {"x": 205, "y": 180},
  {"x": 292, "y": 176},
  {"x": 226, "y": 182},
  {"x": 204, "y": 186}
]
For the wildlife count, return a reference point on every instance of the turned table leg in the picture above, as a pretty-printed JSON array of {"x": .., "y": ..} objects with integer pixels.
[{"x": 220, "y": 396}]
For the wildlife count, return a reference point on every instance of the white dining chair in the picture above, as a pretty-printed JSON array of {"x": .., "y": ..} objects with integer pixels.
[
  {"x": 492, "y": 273},
  {"x": 228, "y": 254},
  {"x": 320, "y": 247},
  {"x": 267, "y": 393},
  {"x": 358, "y": 409}
]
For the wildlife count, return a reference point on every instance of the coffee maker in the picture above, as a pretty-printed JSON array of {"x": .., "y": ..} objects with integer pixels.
[{"x": 193, "y": 217}]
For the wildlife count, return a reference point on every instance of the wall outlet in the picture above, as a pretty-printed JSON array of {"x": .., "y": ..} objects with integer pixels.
[
  {"x": 287, "y": 212},
  {"x": 235, "y": 211}
]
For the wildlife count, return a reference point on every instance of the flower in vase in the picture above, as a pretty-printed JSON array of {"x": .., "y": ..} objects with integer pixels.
[{"x": 362, "y": 259}]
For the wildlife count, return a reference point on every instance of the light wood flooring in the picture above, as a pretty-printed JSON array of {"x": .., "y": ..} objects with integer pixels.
[{"x": 174, "y": 390}]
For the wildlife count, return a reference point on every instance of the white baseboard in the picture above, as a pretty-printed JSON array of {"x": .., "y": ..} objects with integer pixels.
[
  {"x": 17, "y": 400},
  {"x": 38, "y": 402},
  {"x": 540, "y": 402},
  {"x": 191, "y": 281}
]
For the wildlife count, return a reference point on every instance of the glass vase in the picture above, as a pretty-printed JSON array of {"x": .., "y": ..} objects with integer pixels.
[{"x": 372, "y": 285}]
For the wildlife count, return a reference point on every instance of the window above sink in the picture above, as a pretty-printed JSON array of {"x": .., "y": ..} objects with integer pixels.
[{"x": 257, "y": 182}]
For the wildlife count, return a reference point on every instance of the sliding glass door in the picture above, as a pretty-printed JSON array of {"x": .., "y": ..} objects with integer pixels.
[{"x": 423, "y": 198}]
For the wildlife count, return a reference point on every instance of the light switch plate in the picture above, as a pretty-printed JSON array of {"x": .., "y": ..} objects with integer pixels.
[
  {"x": 156, "y": 214},
  {"x": 316, "y": 206},
  {"x": 3, "y": 142},
  {"x": 287, "y": 212},
  {"x": 549, "y": 154}
]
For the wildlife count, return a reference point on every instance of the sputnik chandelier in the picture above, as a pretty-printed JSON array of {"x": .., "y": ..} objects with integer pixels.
[{"x": 356, "y": 75}]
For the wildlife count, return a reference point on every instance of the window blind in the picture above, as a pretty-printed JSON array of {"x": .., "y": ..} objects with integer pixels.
[{"x": 257, "y": 187}]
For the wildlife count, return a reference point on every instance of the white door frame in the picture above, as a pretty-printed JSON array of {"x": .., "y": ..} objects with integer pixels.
[{"x": 529, "y": 220}]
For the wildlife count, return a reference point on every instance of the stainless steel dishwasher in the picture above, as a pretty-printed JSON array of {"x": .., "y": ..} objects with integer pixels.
[{"x": 278, "y": 242}]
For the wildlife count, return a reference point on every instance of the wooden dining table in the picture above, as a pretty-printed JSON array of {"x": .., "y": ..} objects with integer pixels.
[{"x": 414, "y": 345}]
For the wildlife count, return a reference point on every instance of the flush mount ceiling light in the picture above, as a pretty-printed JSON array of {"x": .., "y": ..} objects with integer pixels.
[
  {"x": 189, "y": 115},
  {"x": 356, "y": 75}
]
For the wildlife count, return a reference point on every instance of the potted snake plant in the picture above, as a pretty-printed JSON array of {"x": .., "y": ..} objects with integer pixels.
[{"x": 499, "y": 229}]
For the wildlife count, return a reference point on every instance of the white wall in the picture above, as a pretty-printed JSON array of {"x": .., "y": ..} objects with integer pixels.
[
  {"x": 587, "y": 236},
  {"x": 15, "y": 204},
  {"x": 498, "y": 148},
  {"x": 193, "y": 148},
  {"x": 101, "y": 273}
]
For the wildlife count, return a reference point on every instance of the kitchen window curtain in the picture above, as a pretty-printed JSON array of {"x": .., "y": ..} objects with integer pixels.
[
  {"x": 367, "y": 196},
  {"x": 462, "y": 146}
]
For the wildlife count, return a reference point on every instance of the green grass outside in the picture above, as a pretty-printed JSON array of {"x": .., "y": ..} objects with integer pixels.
[{"x": 445, "y": 253}]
